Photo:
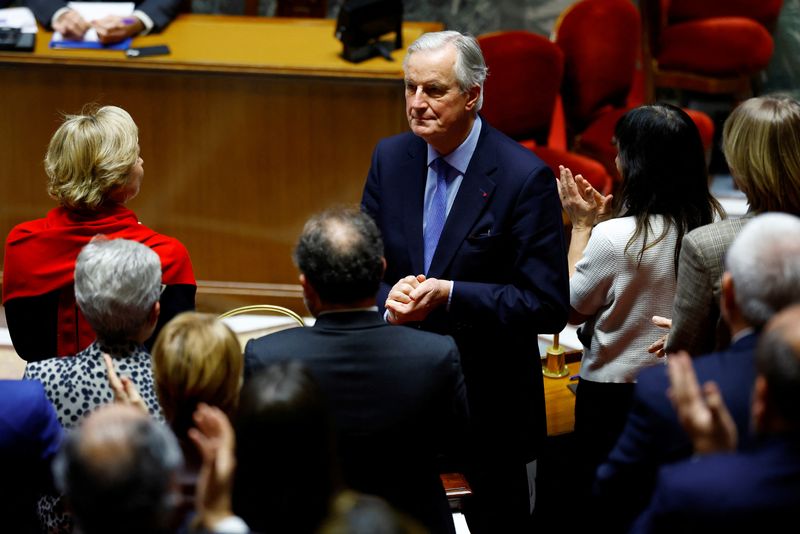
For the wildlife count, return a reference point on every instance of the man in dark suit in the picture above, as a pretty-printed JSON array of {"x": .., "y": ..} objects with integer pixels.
[
  {"x": 762, "y": 276},
  {"x": 475, "y": 249},
  {"x": 753, "y": 490},
  {"x": 149, "y": 16},
  {"x": 29, "y": 439},
  {"x": 397, "y": 395}
]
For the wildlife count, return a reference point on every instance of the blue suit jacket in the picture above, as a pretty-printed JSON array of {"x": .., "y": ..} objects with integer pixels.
[
  {"x": 160, "y": 11},
  {"x": 653, "y": 435},
  {"x": 29, "y": 438},
  {"x": 754, "y": 491},
  {"x": 397, "y": 398},
  {"x": 503, "y": 246}
]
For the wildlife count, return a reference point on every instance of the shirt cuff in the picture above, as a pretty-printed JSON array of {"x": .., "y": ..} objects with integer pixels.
[
  {"x": 58, "y": 14},
  {"x": 230, "y": 525},
  {"x": 450, "y": 295},
  {"x": 147, "y": 21}
]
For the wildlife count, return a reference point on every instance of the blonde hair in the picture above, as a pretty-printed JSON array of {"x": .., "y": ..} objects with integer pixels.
[
  {"x": 90, "y": 155},
  {"x": 196, "y": 358},
  {"x": 761, "y": 142}
]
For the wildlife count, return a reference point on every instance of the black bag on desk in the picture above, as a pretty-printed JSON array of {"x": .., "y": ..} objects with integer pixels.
[{"x": 12, "y": 39}]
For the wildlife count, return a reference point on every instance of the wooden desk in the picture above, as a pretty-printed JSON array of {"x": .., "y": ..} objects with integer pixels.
[{"x": 247, "y": 128}]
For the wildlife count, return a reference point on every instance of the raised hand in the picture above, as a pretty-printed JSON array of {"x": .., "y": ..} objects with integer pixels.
[{"x": 702, "y": 413}]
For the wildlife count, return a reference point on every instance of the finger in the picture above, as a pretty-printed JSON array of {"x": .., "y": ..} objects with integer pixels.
[
  {"x": 420, "y": 278},
  {"x": 400, "y": 296},
  {"x": 130, "y": 389},
  {"x": 113, "y": 378},
  {"x": 656, "y": 345},
  {"x": 662, "y": 322}
]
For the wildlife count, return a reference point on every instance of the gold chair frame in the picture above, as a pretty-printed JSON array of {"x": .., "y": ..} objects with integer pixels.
[{"x": 280, "y": 310}]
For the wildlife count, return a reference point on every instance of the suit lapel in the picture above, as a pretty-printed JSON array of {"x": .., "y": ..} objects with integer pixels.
[
  {"x": 473, "y": 196},
  {"x": 413, "y": 174}
]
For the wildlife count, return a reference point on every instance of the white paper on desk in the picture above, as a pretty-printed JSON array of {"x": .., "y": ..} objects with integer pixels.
[
  {"x": 18, "y": 17},
  {"x": 96, "y": 10}
]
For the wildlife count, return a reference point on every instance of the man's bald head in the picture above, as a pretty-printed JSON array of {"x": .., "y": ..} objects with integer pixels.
[{"x": 117, "y": 471}]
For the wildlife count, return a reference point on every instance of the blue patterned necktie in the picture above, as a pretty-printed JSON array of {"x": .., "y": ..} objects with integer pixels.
[{"x": 437, "y": 212}]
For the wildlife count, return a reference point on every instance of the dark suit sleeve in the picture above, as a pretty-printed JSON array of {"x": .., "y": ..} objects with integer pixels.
[
  {"x": 538, "y": 293},
  {"x": 370, "y": 204},
  {"x": 44, "y": 10},
  {"x": 160, "y": 11}
]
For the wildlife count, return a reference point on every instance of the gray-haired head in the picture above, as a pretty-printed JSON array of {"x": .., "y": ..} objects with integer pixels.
[
  {"x": 117, "y": 282},
  {"x": 470, "y": 68},
  {"x": 117, "y": 470},
  {"x": 764, "y": 262}
]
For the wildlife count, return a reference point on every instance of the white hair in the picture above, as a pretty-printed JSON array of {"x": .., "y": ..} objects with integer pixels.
[
  {"x": 470, "y": 68},
  {"x": 764, "y": 262},
  {"x": 117, "y": 282}
]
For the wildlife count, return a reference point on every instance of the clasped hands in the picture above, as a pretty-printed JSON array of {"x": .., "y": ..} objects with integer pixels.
[
  {"x": 110, "y": 29},
  {"x": 584, "y": 205},
  {"x": 412, "y": 298}
]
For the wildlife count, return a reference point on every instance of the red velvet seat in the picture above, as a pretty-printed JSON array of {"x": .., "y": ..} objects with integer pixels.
[
  {"x": 520, "y": 96},
  {"x": 600, "y": 41},
  {"x": 721, "y": 46},
  {"x": 713, "y": 46}
]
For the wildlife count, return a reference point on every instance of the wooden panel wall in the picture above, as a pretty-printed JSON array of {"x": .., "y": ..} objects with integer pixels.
[{"x": 234, "y": 163}]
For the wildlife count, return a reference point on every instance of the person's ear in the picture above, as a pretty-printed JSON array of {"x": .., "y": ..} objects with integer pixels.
[
  {"x": 308, "y": 290},
  {"x": 472, "y": 97},
  {"x": 728, "y": 295},
  {"x": 154, "y": 313},
  {"x": 383, "y": 268}
]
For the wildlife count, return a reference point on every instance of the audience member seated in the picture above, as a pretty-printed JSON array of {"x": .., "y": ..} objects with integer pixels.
[
  {"x": 286, "y": 467},
  {"x": 94, "y": 168},
  {"x": 623, "y": 270},
  {"x": 196, "y": 358},
  {"x": 29, "y": 438},
  {"x": 761, "y": 142},
  {"x": 149, "y": 16},
  {"x": 117, "y": 283},
  {"x": 118, "y": 469},
  {"x": 751, "y": 491},
  {"x": 762, "y": 277},
  {"x": 397, "y": 395}
]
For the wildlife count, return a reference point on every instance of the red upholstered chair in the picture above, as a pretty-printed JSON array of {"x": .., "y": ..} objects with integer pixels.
[
  {"x": 713, "y": 46},
  {"x": 600, "y": 42},
  {"x": 520, "y": 97}
]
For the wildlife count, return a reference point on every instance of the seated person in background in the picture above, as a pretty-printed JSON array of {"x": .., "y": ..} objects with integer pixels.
[
  {"x": 196, "y": 358},
  {"x": 29, "y": 438},
  {"x": 94, "y": 168},
  {"x": 150, "y": 16},
  {"x": 757, "y": 490},
  {"x": 397, "y": 395},
  {"x": 117, "y": 283},
  {"x": 761, "y": 142},
  {"x": 762, "y": 277}
]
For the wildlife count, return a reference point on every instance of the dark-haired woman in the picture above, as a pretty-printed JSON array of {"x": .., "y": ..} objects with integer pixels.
[{"x": 623, "y": 270}]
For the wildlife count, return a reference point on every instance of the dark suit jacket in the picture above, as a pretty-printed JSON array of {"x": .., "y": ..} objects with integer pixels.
[
  {"x": 397, "y": 398},
  {"x": 503, "y": 246},
  {"x": 756, "y": 491},
  {"x": 160, "y": 11},
  {"x": 653, "y": 436},
  {"x": 29, "y": 438}
]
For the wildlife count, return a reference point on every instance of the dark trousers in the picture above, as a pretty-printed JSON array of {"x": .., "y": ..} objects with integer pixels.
[
  {"x": 601, "y": 410},
  {"x": 500, "y": 497}
]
